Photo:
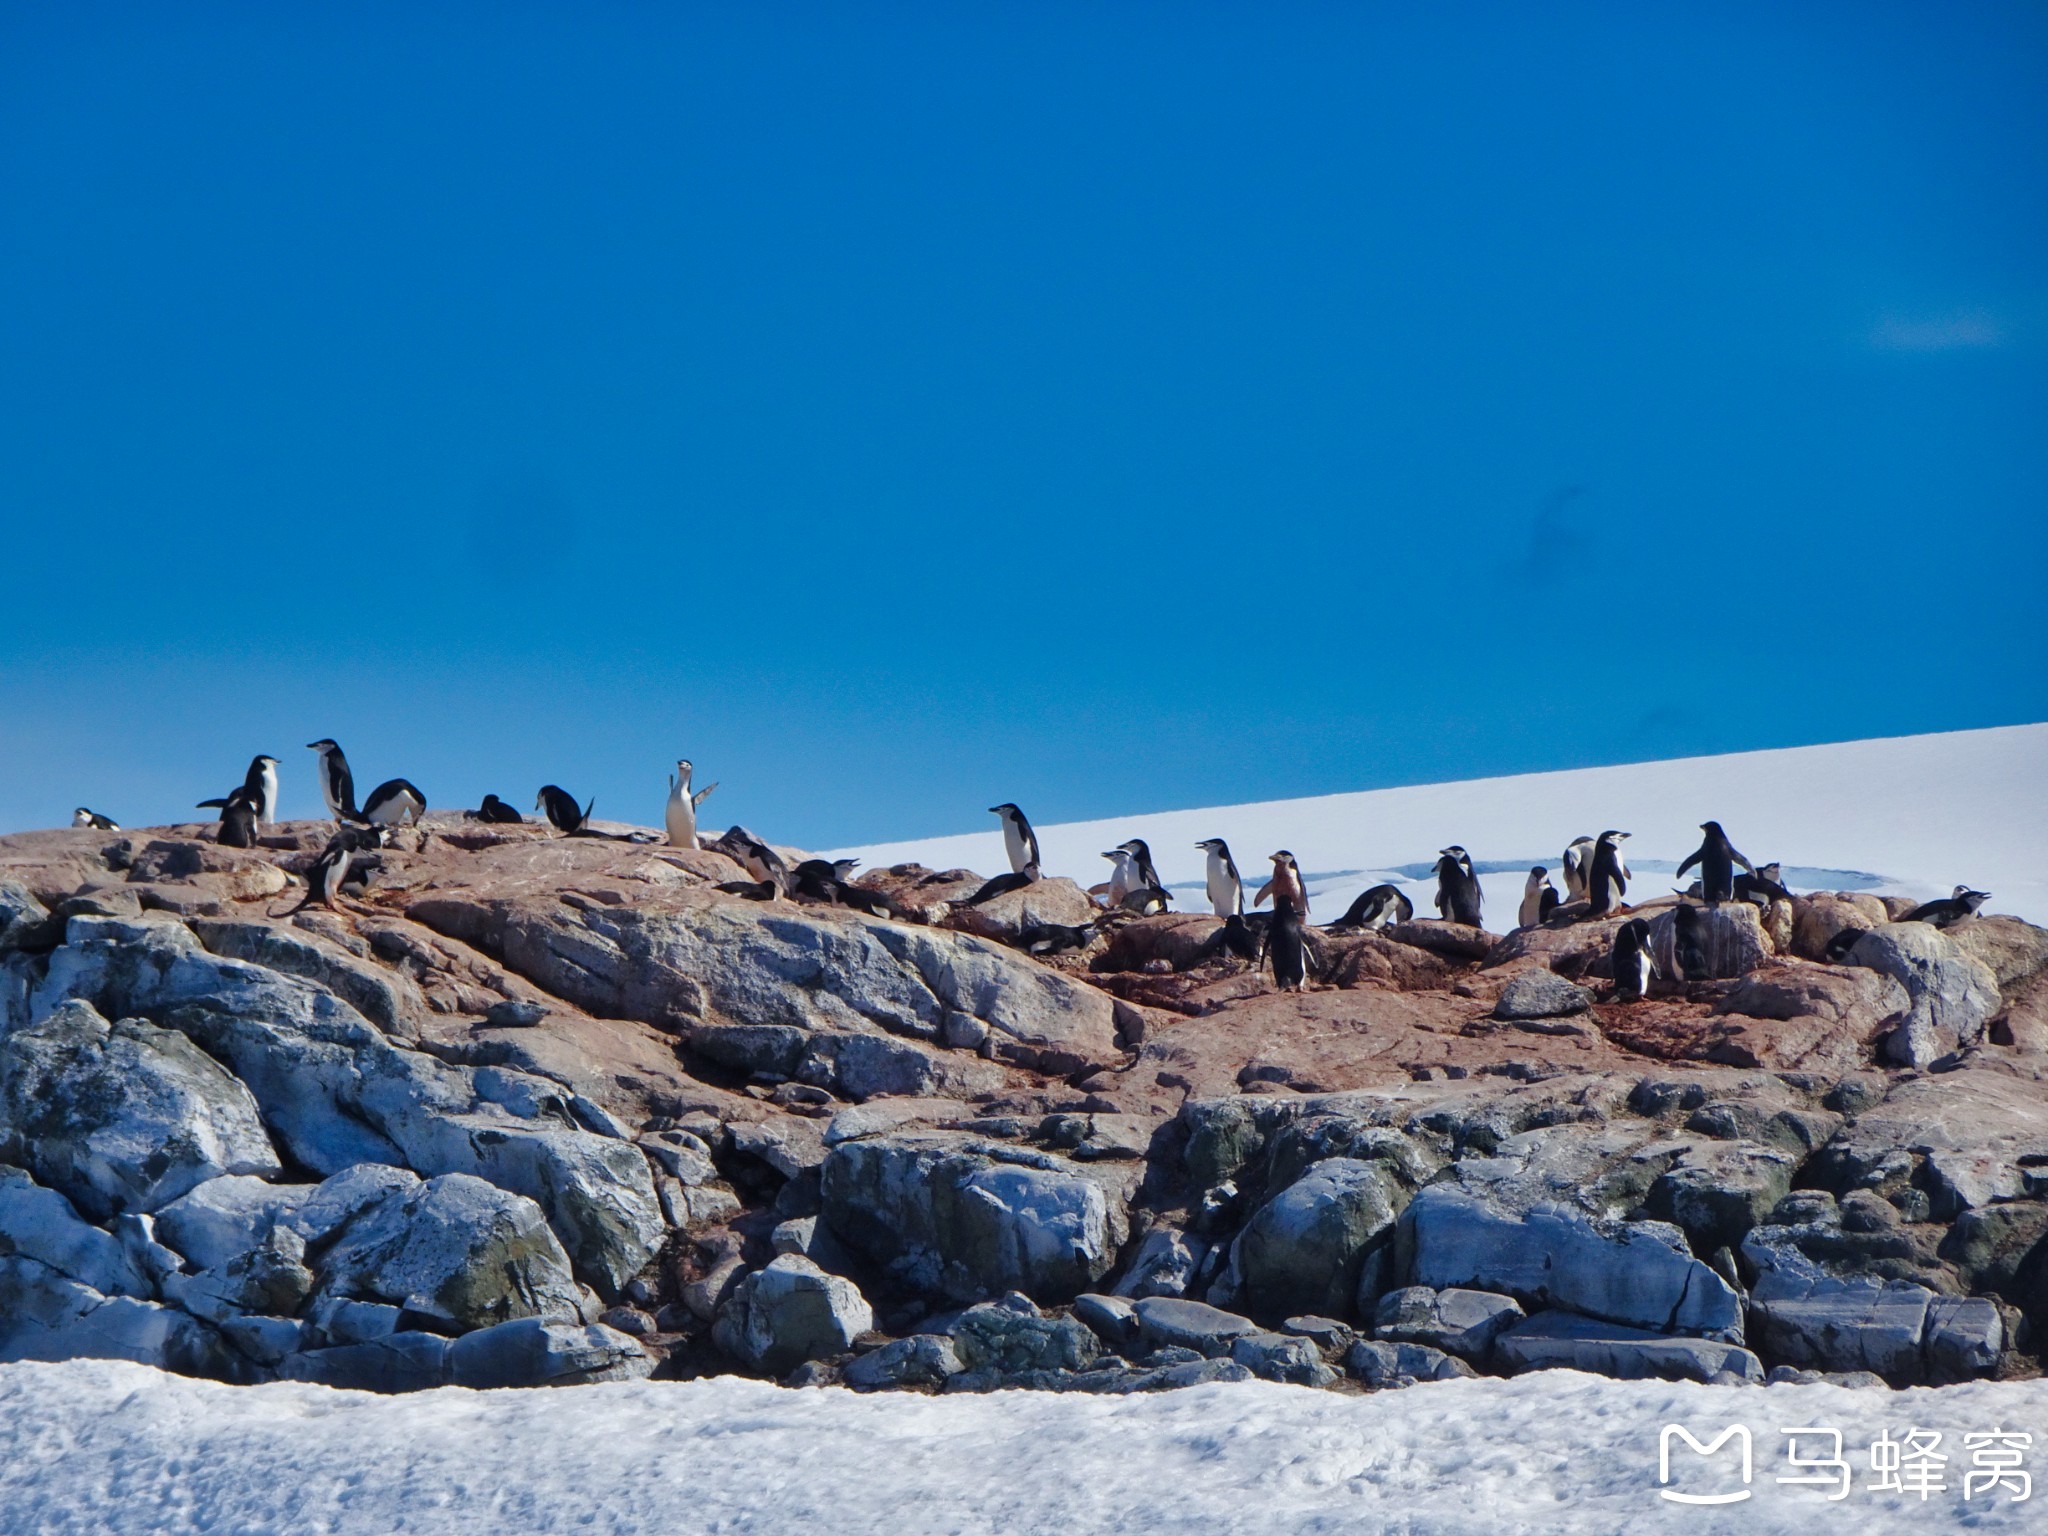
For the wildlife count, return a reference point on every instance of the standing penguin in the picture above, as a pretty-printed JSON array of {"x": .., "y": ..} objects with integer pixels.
[
  {"x": 1539, "y": 899},
  {"x": 1634, "y": 965},
  {"x": 559, "y": 806},
  {"x": 1141, "y": 861},
  {"x": 260, "y": 782},
  {"x": 1607, "y": 878},
  {"x": 1286, "y": 946},
  {"x": 682, "y": 806},
  {"x": 1285, "y": 887},
  {"x": 1578, "y": 860},
  {"x": 337, "y": 785},
  {"x": 1124, "y": 877},
  {"x": 1019, "y": 841},
  {"x": 1717, "y": 858},
  {"x": 1458, "y": 898},
  {"x": 1226, "y": 889},
  {"x": 238, "y": 820}
]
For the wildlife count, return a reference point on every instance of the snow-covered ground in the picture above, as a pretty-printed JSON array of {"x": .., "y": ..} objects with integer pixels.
[
  {"x": 112, "y": 1449},
  {"x": 1906, "y": 815}
]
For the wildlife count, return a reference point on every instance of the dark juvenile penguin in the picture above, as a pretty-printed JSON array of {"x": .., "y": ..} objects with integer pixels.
[
  {"x": 1607, "y": 876},
  {"x": 337, "y": 785},
  {"x": 1285, "y": 888},
  {"x": 239, "y": 818},
  {"x": 1950, "y": 909},
  {"x": 824, "y": 880},
  {"x": 1225, "y": 886},
  {"x": 1458, "y": 898},
  {"x": 394, "y": 803},
  {"x": 1286, "y": 948},
  {"x": 559, "y": 806},
  {"x": 1689, "y": 944},
  {"x": 1235, "y": 937},
  {"x": 261, "y": 783},
  {"x": 495, "y": 811},
  {"x": 1019, "y": 841},
  {"x": 1634, "y": 965},
  {"x": 1376, "y": 908},
  {"x": 1539, "y": 899},
  {"x": 82, "y": 817},
  {"x": 1717, "y": 858}
]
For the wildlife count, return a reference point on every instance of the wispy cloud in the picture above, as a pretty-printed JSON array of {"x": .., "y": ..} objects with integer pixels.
[{"x": 1961, "y": 330}]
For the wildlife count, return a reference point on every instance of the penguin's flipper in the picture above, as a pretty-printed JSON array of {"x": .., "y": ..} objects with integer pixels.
[
  {"x": 210, "y": 805},
  {"x": 1736, "y": 855},
  {"x": 1692, "y": 859},
  {"x": 699, "y": 798}
]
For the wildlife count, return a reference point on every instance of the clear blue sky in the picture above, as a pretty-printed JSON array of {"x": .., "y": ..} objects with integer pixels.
[{"x": 898, "y": 409}]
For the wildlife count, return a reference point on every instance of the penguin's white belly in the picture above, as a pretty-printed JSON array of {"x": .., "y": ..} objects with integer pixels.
[
  {"x": 682, "y": 820},
  {"x": 1013, "y": 845},
  {"x": 266, "y": 813}
]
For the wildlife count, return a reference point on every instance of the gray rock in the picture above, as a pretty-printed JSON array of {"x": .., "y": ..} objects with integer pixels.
[
  {"x": 40, "y": 1224},
  {"x": 1568, "y": 1341},
  {"x": 792, "y": 1311},
  {"x": 215, "y": 1221},
  {"x": 123, "y": 1116},
  {"x": 265, "y": 1340},
  {"x": 44, "y": 1316},
  {"x": 1167, "y": 1320},
  {"x": 959, "y": 1218},
  {"x": 1388, "y": 1365},
  {"x": 1459, "y": 1322},
  {"x": 1330, "y": 1336},
  {"x": 456, "y": 1249},
  {"x": 1004, "y": 1338},
  {"x": 21, "y": 916},
  {"x": 388, "y": 998},
  {"x": 270, "y": 1279},
  {"x": 404, "y": 1362},
  {"x": 528, "y": 1352},
  {"x": 1964, "y": 1338},
  {"x": 1113, "y": 1318},
  {"x": 337, "y": 1320},
  {"x": 1282, "y": 1357},
  {"x": 1165, "y": 1264},
  {"x": 1540, "y": 995},
  {"x": 1304, "y": 1249},
  {"x": 922, "y": 1360},
  {"x": 1637, "y": 1273},
  {"x": 1733, "y": 936},
  {"x": 1951, "y": 995}
]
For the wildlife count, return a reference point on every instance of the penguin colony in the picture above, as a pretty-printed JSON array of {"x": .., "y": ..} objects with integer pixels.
[{"x": 1596, "y": 877}]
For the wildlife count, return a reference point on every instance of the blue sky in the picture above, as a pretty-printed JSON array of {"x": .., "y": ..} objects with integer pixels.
[{"x": 898, "y": 409}]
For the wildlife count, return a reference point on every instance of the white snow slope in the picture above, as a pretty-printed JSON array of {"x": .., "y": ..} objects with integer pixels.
[
  {"x": 1916, "y": 814},
  {"x": 114, "y": 1449}
]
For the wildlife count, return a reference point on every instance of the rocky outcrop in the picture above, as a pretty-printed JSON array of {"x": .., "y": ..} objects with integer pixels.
[{"x": 1950, "y": 996}]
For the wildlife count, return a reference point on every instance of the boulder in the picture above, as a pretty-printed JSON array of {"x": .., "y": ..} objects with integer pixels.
[
  {"x": 1167, "y": 1321},
  {"x": 1114, "y": 1319},
  {"x": 1540, "y": 995},
  {"x": 45, "y": 1316},
  {"x": 1901, "y": 1331},
  {"x": 1051, "y": 899},
  {"x": 1392, "y": 1365},
  {"x": 1732, "y": 933},
  {"x": 40, "y": 1224},
  {"x": 1282, "y": 1357},
  {"x": 1371, "y": 959},
  {"x": 388, "y": 998},
  {"x": 22, "y": 917},
  {"x": 1817, "y": 918},
  {"x": 1637, "y": 1273},
  {"x": 789, "y": 1312},
  {"x": 123, "y": 1116},
  {"x": 1950, "y": 996},
  {"x": 1808, "y": 1017},
  {"x": 458, "y": 1250},
  {"x": 403, "y": 1362},
  {"x": 1011, "y": 1336},
  {"x": 1459, "y": 1322},
  {"x": 222, "y": 1218},
  {"x": 922, "y": 1360},
  {"x": 1165, "y": 1264},
  {"x": 955, "y": 1217},
  {"x": 1455, "y": 942},
  {"x": 1567, "y": 1341},
  {"x": 528, "y": 1352},
  {"x": 1305, "y": 1249},
  {"x": 2012, "y": 950},
  {"x": 270, "y": 1279}
]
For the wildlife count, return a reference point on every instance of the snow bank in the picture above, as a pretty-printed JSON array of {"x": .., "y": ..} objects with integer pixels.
[
  {"x": 1921, "y": 813},
  {"x": 93, "y": 1446}
]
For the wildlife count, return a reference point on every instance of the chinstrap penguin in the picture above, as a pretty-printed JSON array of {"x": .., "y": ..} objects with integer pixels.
[
  {"x": 497, "y": 812},
  {"x": 1717, "y": 858},
  {"x": 1689, "y": 945},
  {"x": 1949, "y": 909},
  {"x": 1458, "y": 897},
  {"x": 1377, "y": 907},
  {"x": 238, "y": 820},
  {"x": 1607, "y": 877},
  {"x": 260, "y": 782},
  {"x": 1634, "y": 964},
  {"x": 83, "y": 817},
  {"x": 681, "y": 815},
  {"x": 1019, "y": 841},
  {"x": 1577, "y": 862},
  {"x": 1285, "y": 888},
  {"x": 1539, "y": 899},
  {"x": 1224, "y": 886},
  {"x": 337, "y": 784}
]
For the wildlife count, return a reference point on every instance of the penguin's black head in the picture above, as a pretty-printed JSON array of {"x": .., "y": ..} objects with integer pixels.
[
  {"x": 1712, "y": 829},
  {"x": 324, "y": 744},
  {"x": 1538, "y": 872}
]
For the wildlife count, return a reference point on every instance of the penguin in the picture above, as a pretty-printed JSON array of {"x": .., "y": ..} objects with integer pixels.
[
  {"x": 261, "y": 783},
  {"x": 861, "y": 899},
  {"x": 1458, "y": 897},
  {"x": 1286, "y": 948},
  {"x": 1607, "y": 876},
  {"x": 1141, "y": 861},
  {"x": 1689, "y": 944},
  {"x": 1285, "y": 887},
  {"x": 1001, "y": 885},
  {"x": 1950, "y": 909},
  {"x": 682, "y": 805},
  {"x": 753, "y": 890},
  {"x": 1717, "y": 858},
  {"x": 1225, "y": 886},
  {"x": 1376, "y": 908},
  {"x": 1235, "y": 937},
  {"x": 1146, "y": 901},
  {"x": 1763, "y": 887},
  {"x": 1836, "y": 950},
  {"x": 239, "y": 820},
  {"x": 88, "y": 818},
  {"x": 337, "y": 785},
  {"x": 1634, "y": 965},
  {"x": 818, "y": 880},
  {"x": 1019, "y": 841},
  {"x": 332, "y": 870},
  {"x": 1055, "y": 938},
  {"x": 559, "y": 806},
  {"x": 761, "y": 861},
  {"x": 1578, "y": 859},
  {"x": 1124, "y": 876},
  {"x": 495, "y": 811},
  {"x": 1539, "y": 899},
  {"x": 394, "y": 803}
]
